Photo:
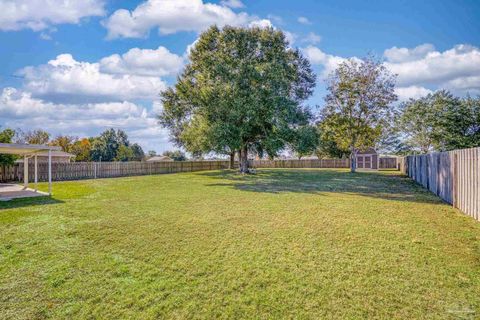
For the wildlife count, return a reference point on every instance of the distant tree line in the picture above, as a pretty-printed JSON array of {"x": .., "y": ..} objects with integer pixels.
[{"x": 110, "y": 145}]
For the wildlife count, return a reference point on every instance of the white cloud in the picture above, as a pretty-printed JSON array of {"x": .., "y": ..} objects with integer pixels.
[
  {"x": 171, "y": 16},
  {"x": 263, "y": 23},
  {"x": 277, "y": 19},
  {"x": 421, "y": 69},
  {"x": 18, "y": 109},
  {"x": 65, "y": 79},
  {"x": 144, "y": 62},
  {"x": 328, "y": 61},
  {"x": 233, "y": 3},
  {"x": 312, "y": 38},
  {"x": 396, "y": 54},
  {"x": 45, "y": 36},
  {"x": 304, "y": 20},
  {"x": 40, "y": 14},
  {"x": 405, "y": 93},
  {"x": 456, "y": 69},
  {"x": 290, "y": 36}
]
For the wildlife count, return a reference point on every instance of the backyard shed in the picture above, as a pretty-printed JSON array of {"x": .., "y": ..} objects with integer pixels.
[{"x": 367, "y": 159}]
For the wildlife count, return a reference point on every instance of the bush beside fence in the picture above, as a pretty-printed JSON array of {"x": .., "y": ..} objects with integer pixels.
[{"x": 454, "y": 176}]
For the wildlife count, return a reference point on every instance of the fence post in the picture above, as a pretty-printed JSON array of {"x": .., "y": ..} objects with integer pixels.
[{"x": 94, "y": 170}]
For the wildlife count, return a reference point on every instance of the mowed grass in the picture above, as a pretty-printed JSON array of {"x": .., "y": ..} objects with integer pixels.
[{"x": 278, "y": 244}]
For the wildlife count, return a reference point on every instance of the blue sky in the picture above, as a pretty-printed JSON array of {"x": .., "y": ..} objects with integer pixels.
[{"x": 80, "y": 67}]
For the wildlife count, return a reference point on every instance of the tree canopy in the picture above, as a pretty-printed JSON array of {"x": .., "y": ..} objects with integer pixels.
[
  {"x": 439, "y": 122},
  {"x": 242, "y": 88},
  {"x": 113, "y": 145},
  {"x": 176, "y": 155},
  {"x": 6, "y": 136}
]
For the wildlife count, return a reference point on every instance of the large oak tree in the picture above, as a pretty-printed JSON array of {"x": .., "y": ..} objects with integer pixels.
[{"x": 242, "y": 89}]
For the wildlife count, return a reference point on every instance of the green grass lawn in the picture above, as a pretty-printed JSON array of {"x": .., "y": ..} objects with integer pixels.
[{"x": 279, "y": 244}]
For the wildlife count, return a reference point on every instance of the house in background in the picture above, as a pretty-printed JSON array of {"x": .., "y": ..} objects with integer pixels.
[
  {"x": 57, "y": 157},
  {"x": 367, "y": 159},
  {"x": 159, "y": 159}
]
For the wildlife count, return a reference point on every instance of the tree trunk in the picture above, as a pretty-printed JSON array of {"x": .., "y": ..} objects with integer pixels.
[
  {"x": 353, "y": 160},
  {"x": 232, "y": 160},
  {"x": 244, "y": 160}
]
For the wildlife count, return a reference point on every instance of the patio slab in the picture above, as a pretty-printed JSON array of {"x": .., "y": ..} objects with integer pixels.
[{"x": 9, "y": 191}]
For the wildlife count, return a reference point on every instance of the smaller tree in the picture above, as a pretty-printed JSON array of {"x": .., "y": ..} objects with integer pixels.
[
  {"x": 176, "y": 155},
  {"x": 81, "y": 149},
  {"x": 6, "y": 136},
  {"x": 358, "y": 104},
  {"x": 152, "y": 153},
  {"x": 105, "y": 147},
  {"x": 124, "y": 153},
  {"x": 306, "y": 141},
  {"x": 440, "y": 121},
  {"x": 38, "y": 136},
  {"x": 417, "y": 123},
  {"x": 327, "y": 143},
  {"x": 65, "y": 142},
  {"x": 456, "y": 121},
  {"x": 138, "y": 154}
]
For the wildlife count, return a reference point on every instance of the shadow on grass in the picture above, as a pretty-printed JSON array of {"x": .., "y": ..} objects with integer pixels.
[
  {"x": 27, "y": 202},
  {"x": 389, "y": 186}
]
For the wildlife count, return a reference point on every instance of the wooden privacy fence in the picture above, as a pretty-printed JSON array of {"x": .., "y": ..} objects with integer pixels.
[
  {"x": 454, "y": 176},
  {"x": 92, "y": 170}
]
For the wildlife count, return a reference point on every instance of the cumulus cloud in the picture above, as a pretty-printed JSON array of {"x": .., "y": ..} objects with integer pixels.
[
  {"x": 65, "y": 79},
  {"x": 18, "y": 109},
  {"x": 396, "y": 54},
  {"x": 233, "y": 3},
  {"x": 263, "y": 23},
  {"x": 312, "y": 38},
  {"x": 304, "y": 20},
  {"x": 171, "y": 16},
  {"x": 328, "y": 61},
  {"x": 422, "y": 69},
  {"x": 145, "y": 62},
  {"x": 40, "y": 14},
  {"x": 456, "y": 69},
  {"x": 411, "y": 92}
]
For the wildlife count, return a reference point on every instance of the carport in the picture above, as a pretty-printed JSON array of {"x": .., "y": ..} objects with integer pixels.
[{"x": 27, "y": 151}]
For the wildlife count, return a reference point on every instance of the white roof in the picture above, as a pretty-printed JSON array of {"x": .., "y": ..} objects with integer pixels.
[
  {"x": 22, "y": 148},
  {"x": 159, "y": 158}
]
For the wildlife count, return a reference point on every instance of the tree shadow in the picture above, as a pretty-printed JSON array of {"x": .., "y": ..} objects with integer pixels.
[
  {"x": 384, "y": 185},
  {"x": 27, "y": 202}
]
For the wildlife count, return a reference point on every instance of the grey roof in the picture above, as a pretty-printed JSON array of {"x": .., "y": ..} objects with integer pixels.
[{"x": 367, "y": 151}]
